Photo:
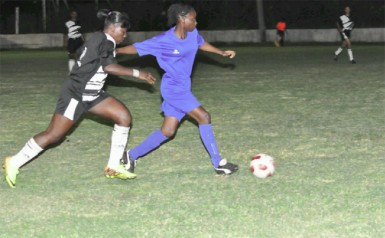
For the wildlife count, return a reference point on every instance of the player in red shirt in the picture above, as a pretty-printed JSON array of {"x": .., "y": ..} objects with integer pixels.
[{"x": 281, "y": 28}]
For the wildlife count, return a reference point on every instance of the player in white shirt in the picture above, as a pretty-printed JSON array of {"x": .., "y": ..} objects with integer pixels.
[
  {"x": 83, "y": 92},
  {"x": 345, "y": 26}
]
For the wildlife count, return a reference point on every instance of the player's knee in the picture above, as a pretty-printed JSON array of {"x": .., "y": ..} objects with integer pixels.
[
  {"x": 72, "y": 56},
  {"x": 168, "y": 131},
  {"x": 123, "y": 119},
  {"x": 205, "y": 118}
]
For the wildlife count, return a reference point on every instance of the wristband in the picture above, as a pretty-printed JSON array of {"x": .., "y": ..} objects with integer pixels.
[{"x": 135, "y": 73}]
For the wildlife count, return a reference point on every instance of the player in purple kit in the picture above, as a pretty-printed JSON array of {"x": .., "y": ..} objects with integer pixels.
[
  {"x": 83, "y": 92},
  {"x": 175, "y": 52}
]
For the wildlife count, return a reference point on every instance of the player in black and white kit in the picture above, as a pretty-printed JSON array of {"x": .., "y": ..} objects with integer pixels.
[
  {"x": 345, "y": 26},
  {"x": 73, "y": 38},
  {"x": 83, "y": 92}
]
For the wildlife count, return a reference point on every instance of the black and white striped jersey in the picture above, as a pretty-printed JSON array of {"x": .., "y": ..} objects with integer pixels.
[
  {"x": 88, "y": 77},
  {"x": 73, "y": 29},
  {"x": 346, "y": 23}
]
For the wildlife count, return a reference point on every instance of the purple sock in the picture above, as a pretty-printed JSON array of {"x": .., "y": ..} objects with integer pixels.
[
  {"x": 207, "y": 136},
  {"x": 150, "y": 143}
]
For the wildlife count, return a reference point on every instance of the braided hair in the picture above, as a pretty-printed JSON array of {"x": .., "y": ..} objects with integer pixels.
[
  {"x": 114, "y": 18},
  {"x": 177, "y": 10}
]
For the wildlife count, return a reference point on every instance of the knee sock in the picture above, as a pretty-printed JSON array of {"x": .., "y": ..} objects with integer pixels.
[
  {"x": 350, "y": 53},
  {"x": 71, "y": 63},
  {"x": 119, "y": 140},
  {"x": 30, "y": 150},
  {"x": 151, "y": 142},
  {"x": 208, "y": 138},
  {"x": 338, "y": 51}
]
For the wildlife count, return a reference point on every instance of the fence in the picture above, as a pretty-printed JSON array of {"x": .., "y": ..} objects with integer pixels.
[{"x": 370, "y": 35}]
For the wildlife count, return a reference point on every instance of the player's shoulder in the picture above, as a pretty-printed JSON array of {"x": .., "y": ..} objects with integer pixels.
[
  {"x": 69, "y": 23},
  {"x": 98, "y": 36}
]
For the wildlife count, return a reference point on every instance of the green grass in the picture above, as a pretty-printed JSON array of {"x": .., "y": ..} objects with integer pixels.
[{"x": 323, "y": 121}]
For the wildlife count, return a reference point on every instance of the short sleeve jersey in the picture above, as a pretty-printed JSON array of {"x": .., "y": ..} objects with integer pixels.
[
  {"x": 281, "y": 26},
  {"x": 73, "y": 29},
  {"x": 88, "y": 77},
  {"x": 175, "y": 56},
  {"x": 346, "y": 23}
]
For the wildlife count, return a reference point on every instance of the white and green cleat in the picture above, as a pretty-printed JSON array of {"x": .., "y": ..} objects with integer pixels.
[{"x": 118, "y": 172}]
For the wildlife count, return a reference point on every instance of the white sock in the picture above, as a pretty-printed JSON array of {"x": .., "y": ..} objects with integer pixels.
[
  {"x": 71, "y": 63},
  {"x": 119, "y": 140},
  {"x": 338, "y": 51},
  {"x": 29, "y": 151},
  {"x": 350, "y": 53}
]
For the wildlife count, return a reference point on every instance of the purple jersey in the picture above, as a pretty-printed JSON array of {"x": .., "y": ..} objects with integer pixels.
[{"x": 175, "y": 56}]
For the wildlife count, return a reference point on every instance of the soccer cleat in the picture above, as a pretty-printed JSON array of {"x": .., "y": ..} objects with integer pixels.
[
  {"x": 353, "y": 61},
  {"x": 276, "y": 44},
  {"x": 128, "y": 163},
  {"x": 10, "y": 172},
  {"x": 226, "y": 168},
  {"x": 119, "y": 172}
]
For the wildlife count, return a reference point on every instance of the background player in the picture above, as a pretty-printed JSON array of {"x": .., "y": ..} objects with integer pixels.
[
  {"x": 175, "y": 52},
  {"x": 83, "y": 92},
  {"x": 345, "y": 26},
  {"x": 73, "y": 38},
  {"x": 281, "y": 28}
]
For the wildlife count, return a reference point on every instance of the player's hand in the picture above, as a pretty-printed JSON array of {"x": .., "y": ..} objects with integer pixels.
[
  {"x": 148, "y": 77},
  {"x": 229, "y": 53},
  {"x": 344, "y": 35}
]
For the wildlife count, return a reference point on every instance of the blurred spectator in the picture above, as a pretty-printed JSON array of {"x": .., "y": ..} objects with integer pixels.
[{"x": 281, "y": 28}]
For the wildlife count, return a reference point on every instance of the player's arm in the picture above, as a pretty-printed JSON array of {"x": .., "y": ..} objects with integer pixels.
[
  {"x": 130, "y": 49},
  {"x": 210, "y": 48},
  {"x": 119, "y": 70},
  {"x": 339, "y": 26}
]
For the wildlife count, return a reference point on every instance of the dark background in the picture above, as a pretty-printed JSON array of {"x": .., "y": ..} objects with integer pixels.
[{"x": 149, "y": 15}]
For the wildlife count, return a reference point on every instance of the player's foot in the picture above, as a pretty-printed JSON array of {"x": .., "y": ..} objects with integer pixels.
[
  {"x": 353, "y": 61},
  {"x": 128, "y": 163},
  {"x": 119, "y": 172},
  {"x": 10, "y": 172},
  {"x": 226, "y": 168},
  {"x": 276, "y": 44}
]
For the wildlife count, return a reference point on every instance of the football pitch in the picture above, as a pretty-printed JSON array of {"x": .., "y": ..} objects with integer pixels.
[{"x": 323, "y": 122}]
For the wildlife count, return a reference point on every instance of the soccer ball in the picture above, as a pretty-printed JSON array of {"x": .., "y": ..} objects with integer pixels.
[{"x": 262, "y": 165}]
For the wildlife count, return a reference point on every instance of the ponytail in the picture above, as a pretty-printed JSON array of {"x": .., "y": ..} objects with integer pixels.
[{"x": 113, "y": 18}]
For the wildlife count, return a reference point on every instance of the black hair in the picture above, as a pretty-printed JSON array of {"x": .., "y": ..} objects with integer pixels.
[
  {"x": 114, "y": 18},
  {"x": 177, "y": 10}
]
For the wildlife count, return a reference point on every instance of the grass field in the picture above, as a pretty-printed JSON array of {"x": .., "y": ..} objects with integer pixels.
[{"x": 323, "y": 121}]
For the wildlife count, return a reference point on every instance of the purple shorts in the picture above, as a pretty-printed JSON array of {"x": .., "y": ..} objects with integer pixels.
[{"x": 179, "y": 106}]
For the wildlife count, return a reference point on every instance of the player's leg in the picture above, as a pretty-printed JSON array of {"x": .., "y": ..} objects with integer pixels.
[
  {"x": 114, "y": 110},
  {"x": 203, "y": 118},
  {"x": 155, "y": 139},
  {"x": 342, "y": 47},
  {"x": 71, "y": 48},
  {"x": 170, "y": 124},
  {"x": 56, "y": 130},
  {"x": 348, "y": 44}
]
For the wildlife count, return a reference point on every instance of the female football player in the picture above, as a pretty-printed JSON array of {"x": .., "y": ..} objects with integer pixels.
[
  {"x": 83, "y": 92},
  {"x": 345, "y": 26},
  {"x": 73, "y": 38},
  {"x": 175, "y": 52}
]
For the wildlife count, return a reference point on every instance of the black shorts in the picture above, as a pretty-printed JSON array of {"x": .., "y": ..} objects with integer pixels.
[
  {"x": 281, "y": 33},
  {"x": 72, "y": 106},
  {"x": 347, "y": 34},
  {"x": 74, "y": 44}
]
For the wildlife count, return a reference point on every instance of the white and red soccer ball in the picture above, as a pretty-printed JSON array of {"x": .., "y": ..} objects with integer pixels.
[{"x": 262, "y": 165}]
